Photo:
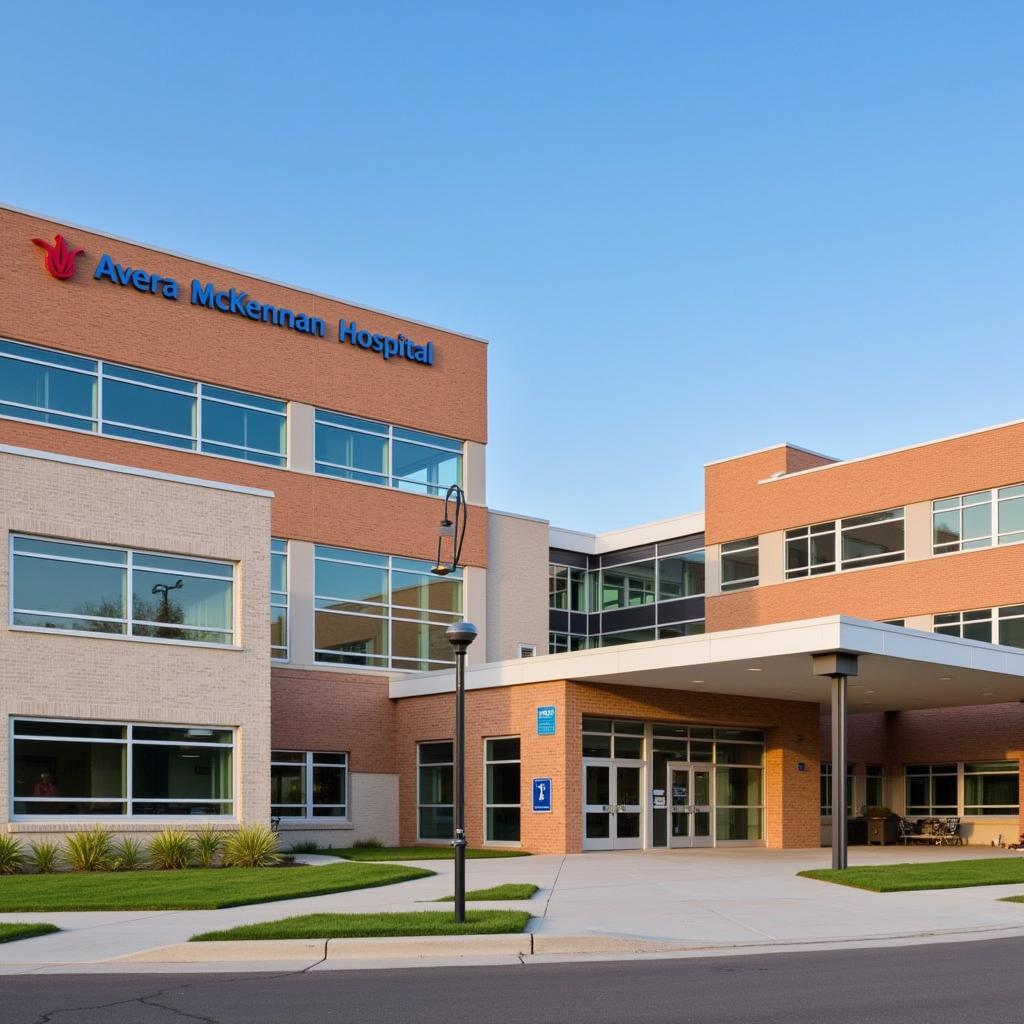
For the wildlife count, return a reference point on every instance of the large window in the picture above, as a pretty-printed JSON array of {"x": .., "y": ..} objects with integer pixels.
[
  {"x": 567, "y": 588},
  {"x": 988, "y": 788},
  {"x": 103, "y": 769},
  {"x": 501, "y": 790},
  {"x": 853, "y": 543},
  {"x": 992, "y": 625},
  {"x": 91, "y": 589},
  {"x": 383, "y": 610},
  {"x": 377, "y": 453},
  {"x": 51, "y": 387},
  {"x": 434, "y": 815},
  {"x": 658, "y": 579},
  {"x": 826, "y": 789},
  {"x": 279, "y": 599},
  {"x": 308, "y": 784},
  {"x": 970, "y": 521},
  {"x": 740, "y": 564}
]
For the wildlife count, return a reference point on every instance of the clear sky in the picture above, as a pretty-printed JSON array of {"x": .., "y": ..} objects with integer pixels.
[{"x": 688, "y": 230}]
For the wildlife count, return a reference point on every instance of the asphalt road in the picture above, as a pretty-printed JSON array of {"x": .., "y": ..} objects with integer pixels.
[{"x": 959, "y": 983}]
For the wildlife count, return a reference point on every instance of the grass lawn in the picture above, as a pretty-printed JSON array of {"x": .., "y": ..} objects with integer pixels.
[
  {"x": 12, "y": 932},
  {"x": 361, "y": 926},
  {"x": 193, "y": 889},
  {"x": 511, "y": 891},
  {"x": 954, "y": 874},
  {"x": 416, "y": 853}
]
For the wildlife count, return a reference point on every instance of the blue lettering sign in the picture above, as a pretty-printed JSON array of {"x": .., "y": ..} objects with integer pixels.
[
  {"x": 546, "y": 721},
  {"x": 541, "y": 795}
]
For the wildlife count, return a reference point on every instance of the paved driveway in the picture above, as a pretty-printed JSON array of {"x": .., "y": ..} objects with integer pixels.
[{"x": 692, "y": 898}]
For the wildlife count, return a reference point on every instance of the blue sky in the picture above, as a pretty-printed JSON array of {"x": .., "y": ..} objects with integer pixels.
[{"x": 687, "y": 229}]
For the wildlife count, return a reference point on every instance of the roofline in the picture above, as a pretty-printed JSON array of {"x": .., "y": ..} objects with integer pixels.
[
  {"x": 609, "y": 540},
  {"x": 113, "y": 467},
  {"x": 772, "y": 448},
  {"x": 892, "y": 451},
  {"x": 518, "y": 515},
  {"x": 243, "y": 273}
]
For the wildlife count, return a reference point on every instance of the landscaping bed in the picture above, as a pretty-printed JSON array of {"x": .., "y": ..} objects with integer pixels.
[
  {"x": 13, "y": 932},
  {"x": 191, "y": 888},
  {"x": 954, "y": 874},
  {"x": 362, "y": 926},
  {"x": 416, "y": 853}
]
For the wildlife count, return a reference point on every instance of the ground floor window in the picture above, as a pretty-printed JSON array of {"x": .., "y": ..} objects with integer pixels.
[
  {"x": 826, "y": 790},
  {"x": 874, "y": 785},
  {"x": 308, "y": 784},
  {"x": 501, "y": 790},
  {"x": 931, "y": 790},
  {"x": 992, "y": 787},
  {"x": 434, "y": 780},
  {"x": 100, "y": 769}
]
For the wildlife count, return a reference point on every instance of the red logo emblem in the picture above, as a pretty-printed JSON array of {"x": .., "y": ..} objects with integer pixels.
[{"x": 59, "y": 260}]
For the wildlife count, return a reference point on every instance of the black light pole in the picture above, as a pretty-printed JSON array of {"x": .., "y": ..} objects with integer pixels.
[{"x": 460, "y": 635}]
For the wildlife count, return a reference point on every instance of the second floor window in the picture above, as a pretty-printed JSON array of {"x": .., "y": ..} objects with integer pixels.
[
  {"x": 978, "y": 520},
  {"x": 740, "y": 564},
  {"x": 853, "y": 543},
  {"x": 60, "y": 585}
]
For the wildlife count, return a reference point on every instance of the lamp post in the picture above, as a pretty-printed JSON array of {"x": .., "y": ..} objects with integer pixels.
[{"x": 460, "y": 635}]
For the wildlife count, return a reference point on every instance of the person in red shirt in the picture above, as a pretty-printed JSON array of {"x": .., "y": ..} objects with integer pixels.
[{"x": 45, "y": 786}]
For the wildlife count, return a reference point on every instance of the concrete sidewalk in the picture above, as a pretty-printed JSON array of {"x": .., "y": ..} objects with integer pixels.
[{"x": 602, "y": 904}]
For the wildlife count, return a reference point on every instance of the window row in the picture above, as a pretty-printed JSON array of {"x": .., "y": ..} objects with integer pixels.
[
  {"x": 89, "y": 588},
  {"x": 603, "y": 737},
  {"x": 560, "y": 642},
  {"x": 435, "y": 818},
  {"x": 992, "y": 625},
  {"x": 52, "y": 387},
  {"x": 668, "y": 578},
  {"x": 978, "y": 520},
  {"x": 383, "y": 610}
]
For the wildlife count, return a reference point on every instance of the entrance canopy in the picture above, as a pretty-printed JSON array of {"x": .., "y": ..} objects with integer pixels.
[{"x": 899, "y": 669}]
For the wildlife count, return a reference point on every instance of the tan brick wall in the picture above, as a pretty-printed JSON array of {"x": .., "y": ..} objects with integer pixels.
[
  {"x": 53, "y": 674},
  {"x": 517, "y": 585},
  {"x": 791, "y": 738}
]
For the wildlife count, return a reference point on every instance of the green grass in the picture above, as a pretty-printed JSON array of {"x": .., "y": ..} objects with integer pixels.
[
  {"x": 13, "y": 932},
  {"x": 511, "y": 891},
  {"x": 417, "y": 853},
  {"x": 193, "y": 889},
  {"x": 954, "y": 874},
  {"x": 362, "y": 926}
]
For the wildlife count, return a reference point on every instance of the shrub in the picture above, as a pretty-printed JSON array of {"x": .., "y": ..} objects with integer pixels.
[
  {"x": 91, "y": 850},
  {"x": 171, "y": 849},
  {"x": 368, "y": 844},
  {"x": 11, "y": 855},
  {"x": 252, "y": 846},
  {"x": 43, "y": 856},
  {"x": 208, "y": 843},
  {"x": 128, "y": 854},
  {"x": 307, "y": 846}
]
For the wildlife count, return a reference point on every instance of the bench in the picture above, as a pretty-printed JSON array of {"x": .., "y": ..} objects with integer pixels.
[{"x": 931, "y": 831}]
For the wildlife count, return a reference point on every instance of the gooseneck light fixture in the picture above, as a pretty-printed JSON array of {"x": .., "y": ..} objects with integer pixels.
[{"x": 460, "y": 635}]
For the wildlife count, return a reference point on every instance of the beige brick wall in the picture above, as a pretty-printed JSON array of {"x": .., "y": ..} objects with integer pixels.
[{"x": 70, "y": 676}]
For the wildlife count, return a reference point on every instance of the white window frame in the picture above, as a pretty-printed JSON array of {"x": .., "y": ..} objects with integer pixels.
[
  {"x": 993, "y": 616},
  {"x": 283, "y": 601},
  {"x": 130, "y": 743},
  {"x": 994, "y": 497},
  {"x": 837, "y": 529},
  {"x": 308, "y": 763},
  {"x": 234, "y": 639},
  {"x": 487, "y": 806},
  {"x": 961, "y": 792},
  {"x": 433, "y": 764}
]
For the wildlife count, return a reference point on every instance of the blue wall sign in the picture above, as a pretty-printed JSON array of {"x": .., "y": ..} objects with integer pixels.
[
  {"x": 546, "y": 721},
  {"x": 542, "y": 794}
]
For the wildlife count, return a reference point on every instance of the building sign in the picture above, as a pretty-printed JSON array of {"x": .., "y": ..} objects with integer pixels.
[
  {"x": 546, "y": 721},
  {"x": 541, "y": 795},
  {"x": 60, "y": 263}
]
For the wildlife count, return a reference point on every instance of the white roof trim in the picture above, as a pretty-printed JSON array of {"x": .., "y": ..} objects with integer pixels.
[
  {"x": 770, "y": 448},
  {"x": 243, "y": 273},
  {"x": 113, "y": 467},
  {"x": 628, "y": 537}
]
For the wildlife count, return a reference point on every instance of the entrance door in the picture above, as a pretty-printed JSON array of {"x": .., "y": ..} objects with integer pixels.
[
  {"x": 690, "y": 805},
  {"x": 612, "y": 812}
]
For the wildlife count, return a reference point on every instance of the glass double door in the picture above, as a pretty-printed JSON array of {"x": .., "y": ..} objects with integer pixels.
[
  {"x": 612, "y": 810},
  {"x": 690, "y": 805}
]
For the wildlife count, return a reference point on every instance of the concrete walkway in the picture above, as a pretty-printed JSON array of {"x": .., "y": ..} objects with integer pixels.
[{"x": 709, "y": 900}]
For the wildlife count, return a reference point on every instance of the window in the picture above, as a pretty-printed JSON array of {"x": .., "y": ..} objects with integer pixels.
[
  {"x": 376, "y": 453},
  {"x": 560, "y": 642},
  {"x": 279, "y": 599},
  {"x": 61, "y": 585},
  {"x": 859, "y": 541},
  {"x": 992, "y": 787},
  {"x": 681, "y": 575},
  {"x": 826, "y": 789},
  {"x": 628, "y": 586},
  {"x": 501, "y": 795},
  {"x": 103, "y": 769},
  {"x": 308, "y": 784},
  {"x": 83, "y": 394},
  {"x": 1011, "y": 625},
  {"x": 558, "y": 587},
  {"x": 970, "y": 521},
  {"x": 874, "y": 785},
  {"x": 643, "y": 635},
  {"x": 604, "y": 738},
  {"x": 969, "y": 625},
  {"x": 931, "y": 789},
  {"x": 435, "y": 817},
  {"x": 740, "y": 564},
  {"x": 383, "y": 610}
]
